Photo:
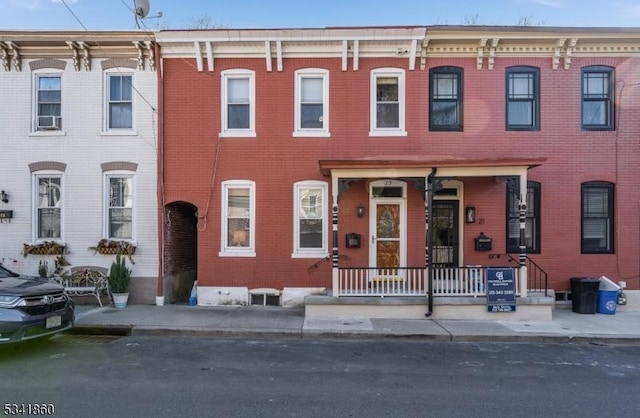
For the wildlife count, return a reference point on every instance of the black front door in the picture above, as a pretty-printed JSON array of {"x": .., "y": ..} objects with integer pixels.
[{"x": 444, "y": 227}]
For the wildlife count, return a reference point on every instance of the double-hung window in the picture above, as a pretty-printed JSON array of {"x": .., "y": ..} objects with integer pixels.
[
  {"x": 532, "y": 223},
  {"x": 311, "y": 102},
  {"x": 597, "y": 218},
  {"x": 238, "y": 218},
  {"x": 119, "y": 101},
  {"x": 387, "y": 102},
  {"x": 48, "y": 206},
  {"x": 522, "y": 98},
  {"x": 48, "y": 97},
  {"x": 310, "y": 219},
  {"x": 119, "y": 204},
  {"x": 597, "y": 98},
  {"x": 238, "y": 103},
  {"x": 445, "y": 99}
]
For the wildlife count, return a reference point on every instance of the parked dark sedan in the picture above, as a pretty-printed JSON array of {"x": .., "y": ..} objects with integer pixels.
[{"x": 31, "y": 307}]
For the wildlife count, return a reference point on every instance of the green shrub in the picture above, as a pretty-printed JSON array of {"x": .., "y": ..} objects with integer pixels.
[{"x": 119, "y": 275}]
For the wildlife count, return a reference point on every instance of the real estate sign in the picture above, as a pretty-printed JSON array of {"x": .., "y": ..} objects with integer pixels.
[{"x": 501, "y": 290}]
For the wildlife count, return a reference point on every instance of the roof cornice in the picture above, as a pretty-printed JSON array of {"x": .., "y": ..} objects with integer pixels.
[{"x": 79, "y": 46}]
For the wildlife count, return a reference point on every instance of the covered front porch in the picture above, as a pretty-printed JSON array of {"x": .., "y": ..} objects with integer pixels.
[{"x": 418, "y": 251}]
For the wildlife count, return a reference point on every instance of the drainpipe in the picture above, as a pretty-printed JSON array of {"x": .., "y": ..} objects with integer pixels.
[
  {"x": 430, "y": 240},
  {"x": 160, "y": 174}
]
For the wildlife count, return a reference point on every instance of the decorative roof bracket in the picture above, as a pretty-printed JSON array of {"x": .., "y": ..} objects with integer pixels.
[
  {"x": 571, "y": 44},
  {"x": 356, "y": 55},
  {"x": 198, "y": 53},
  {"x": 279, "y": 66},
  {"x": 480, "y": 57},
  {"x": 86, "y": 59},
  {"x": 139, "y": 47},
  {"x": 267, "y": 55},
  {"x": 5, "y": 58},
  {"x": 492, "y": 52},
  {"x": 412, "y": 54},
  {"x": 76, "y": 57},
  {"x": 559, "y": 49},
  {"x": 423, "y": 56},
  {"x": 152, "y": 57},
  {"x": 345, "y": 54},
  {"x": 10, "y": 51}
]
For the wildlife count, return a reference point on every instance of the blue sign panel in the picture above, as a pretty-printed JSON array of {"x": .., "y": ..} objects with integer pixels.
[{"x": 501, "y": 290}]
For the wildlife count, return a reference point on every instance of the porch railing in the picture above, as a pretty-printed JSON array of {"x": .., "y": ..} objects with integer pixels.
[
  {"x": 413, "y": 281},
  {"x": 537, "y": 278},
  {"x": 366, "y": 281}
]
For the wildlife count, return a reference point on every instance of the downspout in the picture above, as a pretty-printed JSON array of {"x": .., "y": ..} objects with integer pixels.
[
  {"x": 160, "y": 174},
  {"x": 430, "y": 241}
]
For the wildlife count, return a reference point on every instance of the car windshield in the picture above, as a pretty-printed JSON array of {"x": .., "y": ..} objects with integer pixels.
[{"x": 4, "y": 273}]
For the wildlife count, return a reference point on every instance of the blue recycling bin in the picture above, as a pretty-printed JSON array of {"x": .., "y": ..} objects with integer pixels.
[{"x": 607, "y": 302}]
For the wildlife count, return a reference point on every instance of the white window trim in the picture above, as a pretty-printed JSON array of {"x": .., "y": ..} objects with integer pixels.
[
  {"x": 238, "y": 133},
  {"x": 105, "y": 103},
  {"x": 225, "y": 250},
  {"x": 387, "y": 72},
  {"x": 310, "y": 252},
  {"x": 36, "y": 74},
  {"x": 34, "y": 204},
  {"x": 298, "y": 131},
  {"x": 105, "y": 203}
]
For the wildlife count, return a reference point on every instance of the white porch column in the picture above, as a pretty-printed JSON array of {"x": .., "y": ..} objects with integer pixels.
[
  {"x": 335, "y": 190},
  {"x": 522, "y": 214}
]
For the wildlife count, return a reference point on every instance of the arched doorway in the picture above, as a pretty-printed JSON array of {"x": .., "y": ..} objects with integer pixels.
[{"x": 180, "y": 251}]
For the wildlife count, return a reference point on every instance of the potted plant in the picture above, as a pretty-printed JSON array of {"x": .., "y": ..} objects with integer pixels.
[
  {"x": 119, "y": 275},
  {"x": 43, "y": 269}
]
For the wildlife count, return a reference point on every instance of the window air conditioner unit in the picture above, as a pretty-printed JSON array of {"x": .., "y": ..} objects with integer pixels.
[{"x": 49, "y": 122}]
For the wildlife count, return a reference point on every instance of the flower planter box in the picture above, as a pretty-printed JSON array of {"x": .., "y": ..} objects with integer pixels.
[
  {"x": 115, "y": 250},
  {"x": 44, "y": 249}
]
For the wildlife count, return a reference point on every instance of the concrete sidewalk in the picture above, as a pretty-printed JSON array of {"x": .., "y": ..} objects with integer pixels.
[{"x": 275, "y": 322}]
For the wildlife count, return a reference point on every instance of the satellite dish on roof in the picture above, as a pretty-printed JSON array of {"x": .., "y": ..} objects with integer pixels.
[{"x": 141, "y": 8}]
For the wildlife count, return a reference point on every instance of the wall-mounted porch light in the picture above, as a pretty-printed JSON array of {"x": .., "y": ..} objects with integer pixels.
[
  {"x": 4, "y": 196},
  {"x": 360, "y": 211},
  {"x": 470, "y": 214}
]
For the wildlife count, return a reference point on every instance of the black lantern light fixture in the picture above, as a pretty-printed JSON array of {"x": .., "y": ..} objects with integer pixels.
[
  {"x": 360, "y": 211},
  {"x": 4, "y": 196},
  {"x": 470, "y": 214}
]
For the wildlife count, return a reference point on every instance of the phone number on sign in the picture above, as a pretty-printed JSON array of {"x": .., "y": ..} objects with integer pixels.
[{"x": 29, "y": 409}]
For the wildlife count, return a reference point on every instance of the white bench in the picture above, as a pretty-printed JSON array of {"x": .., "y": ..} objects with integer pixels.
[{"x": 85, "y": 281}]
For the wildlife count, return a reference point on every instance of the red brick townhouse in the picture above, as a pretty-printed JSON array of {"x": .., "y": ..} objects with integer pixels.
[{"x": 384, "y": 168}]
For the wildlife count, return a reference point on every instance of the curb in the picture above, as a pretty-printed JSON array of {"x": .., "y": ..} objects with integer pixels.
[
  {"x": 119, "y": 330},
  {"x": 157, "y": 331}
]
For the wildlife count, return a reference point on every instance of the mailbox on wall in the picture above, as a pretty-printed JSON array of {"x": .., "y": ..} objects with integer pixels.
[
  {"x": 6, "y": 215},
  {"x": 483, "y": 242},
  {"x": 353, "y": 240}
]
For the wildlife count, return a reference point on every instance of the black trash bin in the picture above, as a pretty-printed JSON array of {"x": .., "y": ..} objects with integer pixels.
[{"x": 584, "y": 294}]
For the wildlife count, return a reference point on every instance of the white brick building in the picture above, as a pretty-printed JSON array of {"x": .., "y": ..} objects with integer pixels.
[{"x": 78, "y": 148}]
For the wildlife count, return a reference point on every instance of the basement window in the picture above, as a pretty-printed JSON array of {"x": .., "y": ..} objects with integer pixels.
[{"x": 264, "y": 297}]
